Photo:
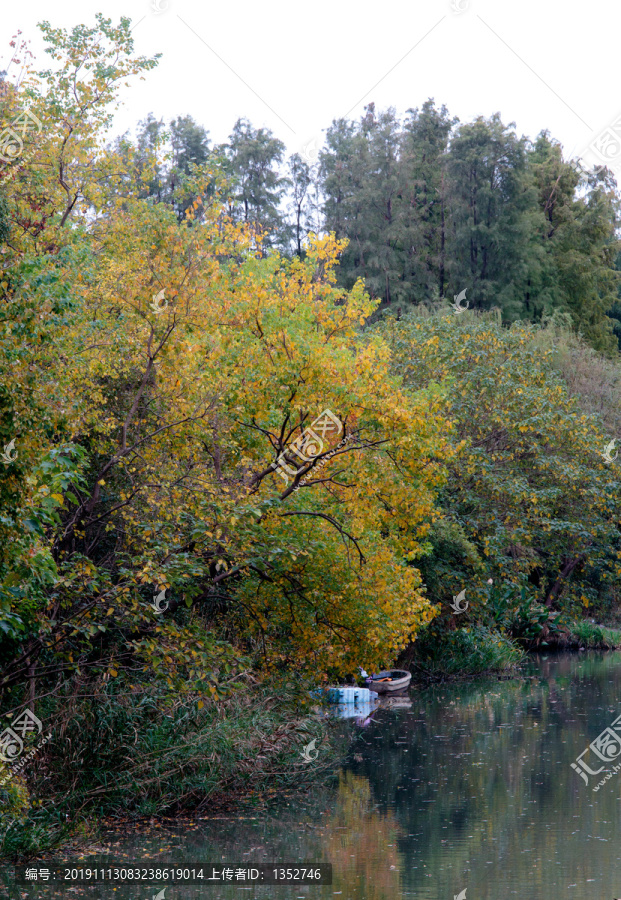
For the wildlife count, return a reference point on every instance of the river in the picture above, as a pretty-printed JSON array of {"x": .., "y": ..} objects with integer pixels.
[{"x": 462, "y": 787}]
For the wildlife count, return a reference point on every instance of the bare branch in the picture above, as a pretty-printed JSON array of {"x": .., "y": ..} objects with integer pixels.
[{"x": 332, "y": 521}]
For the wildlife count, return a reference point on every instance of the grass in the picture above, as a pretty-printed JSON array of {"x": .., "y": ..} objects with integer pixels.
[
  {"x": 593, "y": 379},
  {"x": 129, "y": 755},
  {"x": 590, "y": 636},
  {"x": 465, "y": 651}
]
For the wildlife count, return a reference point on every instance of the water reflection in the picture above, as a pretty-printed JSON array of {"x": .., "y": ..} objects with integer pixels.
[
  {"x": 361, "y": 843},
  {"x": 459, "y": 786}
]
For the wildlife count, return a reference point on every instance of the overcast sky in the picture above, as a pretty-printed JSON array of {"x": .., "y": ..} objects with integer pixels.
[{"x": 295, "y": 66}]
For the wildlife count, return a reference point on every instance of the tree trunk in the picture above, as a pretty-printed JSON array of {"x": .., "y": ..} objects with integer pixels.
[{"x": 554, "y": 590}]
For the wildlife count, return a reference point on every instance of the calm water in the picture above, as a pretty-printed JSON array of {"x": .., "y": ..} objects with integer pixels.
[{"x": 469, "y": 787}]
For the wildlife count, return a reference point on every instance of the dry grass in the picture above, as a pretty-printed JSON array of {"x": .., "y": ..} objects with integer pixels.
[{"x": 593, "y": 380}]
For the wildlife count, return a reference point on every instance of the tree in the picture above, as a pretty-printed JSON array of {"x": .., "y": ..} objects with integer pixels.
[
  {"x": 432, "y": 209},
  {"x": 164, "y": 160},
  {"x": 300, "y": 178},
  {"x": 190, "y": 149},
  {"x": 360, "y": 183},
  {"x": 253, "y": 157},
  {"x": 424, "y": 215},
  {"x": 529, "y": 501},
  {"x": 150, "y": 165},
  {"x": 580, "y": 243},
  {"x": 168, "y": 367},
  {"x": 491, "y": 243},
  {"x": 615, "y": 310},
  {"x": 341, "y": 182}
]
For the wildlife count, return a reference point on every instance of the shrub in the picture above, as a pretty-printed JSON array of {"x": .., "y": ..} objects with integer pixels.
[{"x": 465, "y": 651}]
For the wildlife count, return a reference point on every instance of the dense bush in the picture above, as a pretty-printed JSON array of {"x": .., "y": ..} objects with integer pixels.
[
  {"x": 471, "y": 650},
  {"x": 530, "y": 501}
]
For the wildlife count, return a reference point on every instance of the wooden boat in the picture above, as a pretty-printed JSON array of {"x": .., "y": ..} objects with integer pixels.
[{"x": 389, "y": 682}]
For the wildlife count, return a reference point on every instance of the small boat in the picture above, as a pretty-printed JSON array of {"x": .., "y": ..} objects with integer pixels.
[{"x": 389, "y": 682}]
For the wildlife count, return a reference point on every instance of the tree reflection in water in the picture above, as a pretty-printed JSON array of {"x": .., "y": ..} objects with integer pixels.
[{"x": 361, "y": 844}]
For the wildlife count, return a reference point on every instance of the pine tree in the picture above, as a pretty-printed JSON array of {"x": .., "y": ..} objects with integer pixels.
[
  {"x": 491, "y": 238},
  {"x": 424, "y": 143},
  {"x": 300, "y": 177},
  {"x": 580, "y": 243},
  {"x": 253, "y": 156}
]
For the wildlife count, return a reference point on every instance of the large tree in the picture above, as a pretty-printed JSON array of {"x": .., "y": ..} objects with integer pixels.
[
  {"x": 254, "y": 156},
  {"x": 491, "y": 242},
  {"x": 424, "y": 210},
  {"x": 361, "y": 184},
  {"x": 432, "y": 208},
  {"x": 302, "y": 179},
  {"x": 580, "y": 243}
]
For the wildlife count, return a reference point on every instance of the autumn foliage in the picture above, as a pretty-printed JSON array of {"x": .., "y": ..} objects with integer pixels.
[
  {"x": 162, "y": 368},
  {"x": 155, "y": 367}
]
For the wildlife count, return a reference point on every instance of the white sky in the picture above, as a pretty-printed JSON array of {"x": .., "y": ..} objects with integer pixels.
[{"x": 293, "y": 67}]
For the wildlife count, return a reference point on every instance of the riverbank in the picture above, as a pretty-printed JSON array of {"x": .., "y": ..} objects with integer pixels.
[
  {"x": 145, "y": 760},
  {"x": 410, "y": 813},
  {"x": 144, "y": 757},
  {"x": 478, "y": 650}
]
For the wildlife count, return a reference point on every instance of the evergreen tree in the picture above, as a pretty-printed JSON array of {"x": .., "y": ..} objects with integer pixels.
[
  {"x": 190, "y": 147},
  {"x": 167, "y": 157},
  {"x": 253, "y": 158},
  {"x": 300, "y": 179},
  {"x": 615, "y": 310},
  {"x": 580, "y": 244},
  {"x": 360, "y": 181},
  {"x": 430, "y": 207},
  {"x": 190, "y": 143},
  {"x": 492, "y": 237},
  {"x": 150, "y": 140},
  {"x": 424, "y": 212}
]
